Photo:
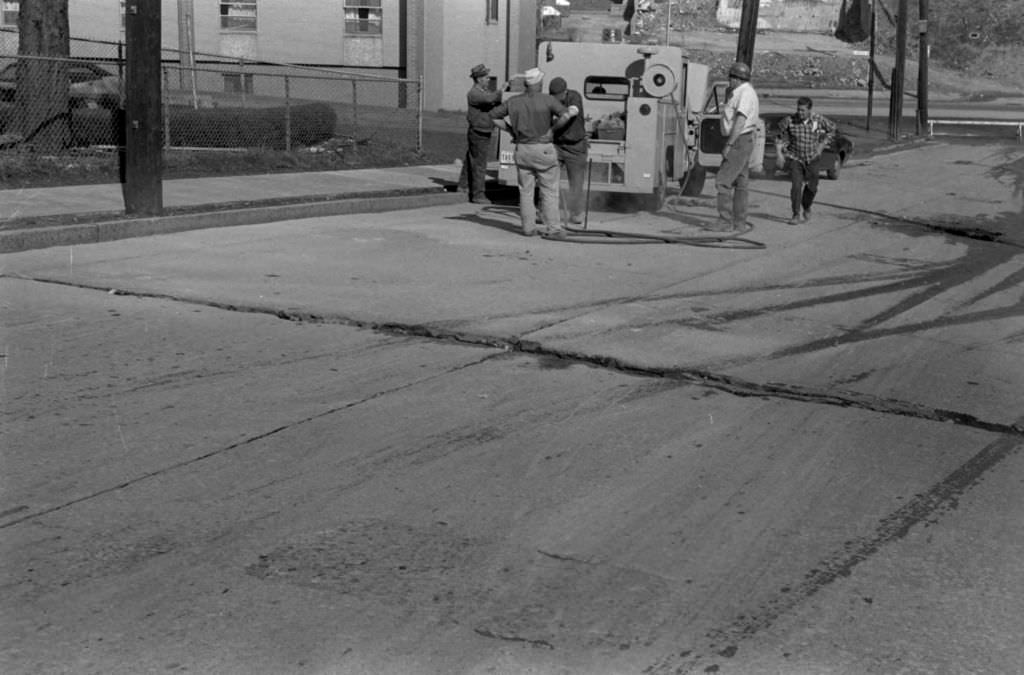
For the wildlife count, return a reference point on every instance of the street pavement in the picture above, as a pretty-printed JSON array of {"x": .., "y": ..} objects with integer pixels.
[{"x": 418, "y": 442}]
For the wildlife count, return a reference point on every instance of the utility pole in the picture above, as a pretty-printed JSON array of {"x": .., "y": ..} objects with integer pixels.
[
  {"x": 143, "y": 147},
  {"x": 871, "y": 67},
  {"x": 922, "y": 67},
  {"x": 898, "y": 73},
  {"x": 748, "y": 33}
]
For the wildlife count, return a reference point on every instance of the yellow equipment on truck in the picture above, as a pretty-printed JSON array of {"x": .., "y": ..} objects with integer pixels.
[{"x": 644, "y": 111}]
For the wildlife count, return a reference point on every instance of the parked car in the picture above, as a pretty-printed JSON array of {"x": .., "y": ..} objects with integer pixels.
[
  {"x": 835, "y": 155},
  {"x": 91, "y": 86}
]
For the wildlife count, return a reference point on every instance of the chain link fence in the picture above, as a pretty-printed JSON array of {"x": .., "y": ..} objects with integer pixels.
[{"x": 209, "y": 103}]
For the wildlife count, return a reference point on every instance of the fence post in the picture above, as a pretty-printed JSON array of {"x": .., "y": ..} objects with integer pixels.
[
  {"x": 287, "y": 115},
  {"x": 419, "y": 115},
  {"x": 355, "y": 109},
  {"x": 167, "y": 108},
  {"x": 241, "y": 79}
]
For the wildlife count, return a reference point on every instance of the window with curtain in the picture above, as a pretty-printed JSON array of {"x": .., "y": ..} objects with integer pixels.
[
  {"x": 492, "y": 11},
  {"x": 9, "y": 13},
  {"x": 239, "y": 15},
  {"x": 363, "y": 17}
]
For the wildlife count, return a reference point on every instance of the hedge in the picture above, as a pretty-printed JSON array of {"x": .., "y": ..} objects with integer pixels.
[
  {"x": 251, "y": 127},
  {"x": 212, "y": 127}
]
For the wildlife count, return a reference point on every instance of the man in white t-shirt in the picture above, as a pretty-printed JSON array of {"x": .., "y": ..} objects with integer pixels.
[{"x": 738, "y": 124}]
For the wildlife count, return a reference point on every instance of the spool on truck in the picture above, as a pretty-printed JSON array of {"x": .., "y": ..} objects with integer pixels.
[{"x": 651, "y": 115}]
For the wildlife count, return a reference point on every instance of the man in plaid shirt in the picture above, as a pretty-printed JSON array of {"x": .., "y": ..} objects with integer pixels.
[{"x": 804, "y": 135}]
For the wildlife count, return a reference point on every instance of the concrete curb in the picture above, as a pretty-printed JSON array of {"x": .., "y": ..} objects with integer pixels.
[{"x": 31, "y": 238}]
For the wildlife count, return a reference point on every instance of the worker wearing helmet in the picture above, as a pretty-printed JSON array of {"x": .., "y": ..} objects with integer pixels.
[{"x": 738, "y": 124}]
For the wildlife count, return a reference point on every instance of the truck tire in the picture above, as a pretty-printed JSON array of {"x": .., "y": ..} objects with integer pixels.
[
  {"x": 833, "y": 173},
  {"x": 692, "y": 182}
]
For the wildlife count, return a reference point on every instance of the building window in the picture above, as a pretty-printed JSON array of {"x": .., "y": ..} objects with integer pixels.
[
  {"x": 239, "y": 15},
  {"x": 492, "y": 11},
  {"x": 122, "y": 15},
  {"x": 9, "y": 13},
  {"x": 363, "y": 17}
]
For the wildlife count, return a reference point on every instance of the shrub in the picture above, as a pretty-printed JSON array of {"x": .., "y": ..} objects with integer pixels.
[{"x": 250, "y": 127}]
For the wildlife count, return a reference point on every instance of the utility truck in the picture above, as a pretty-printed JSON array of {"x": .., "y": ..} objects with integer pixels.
[{"x": 651, "y": 116}]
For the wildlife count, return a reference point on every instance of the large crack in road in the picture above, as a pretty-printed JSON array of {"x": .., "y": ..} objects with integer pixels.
[
  {"x": 719, "y": 642},
  {"x": 691, "y": 376}
]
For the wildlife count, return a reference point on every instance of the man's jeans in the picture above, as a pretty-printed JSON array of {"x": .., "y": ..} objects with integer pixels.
[
  {"x": 732, "y": 180},
  {"x": 474, "y": 169},
  {"x": 537, "y": 168},
  {"x": 803, "y": 187}
]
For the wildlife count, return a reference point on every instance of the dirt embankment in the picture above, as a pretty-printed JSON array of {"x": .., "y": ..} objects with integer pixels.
[{"x": 794, "y": 60}]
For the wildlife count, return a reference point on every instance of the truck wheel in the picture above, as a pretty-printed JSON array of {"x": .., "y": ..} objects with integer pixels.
[
  {"x": 833, "y": 173},
  {"x": 692, "y": 182}
]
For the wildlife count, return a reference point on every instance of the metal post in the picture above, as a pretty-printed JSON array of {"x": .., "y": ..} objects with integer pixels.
[
  {"x": 241, "y": 79},
  {"x": 167, "y": 107},
  {"x": 287, "y": 115},
  {"x": 355, "y": 109},
  {"x": 419, "y": 115}
]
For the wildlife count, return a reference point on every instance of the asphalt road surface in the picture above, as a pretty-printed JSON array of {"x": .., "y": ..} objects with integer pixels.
[{"x": 417, "y": 442}]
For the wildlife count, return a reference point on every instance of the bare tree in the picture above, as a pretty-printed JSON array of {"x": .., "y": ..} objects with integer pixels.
[{"x": 42, "y": 116}]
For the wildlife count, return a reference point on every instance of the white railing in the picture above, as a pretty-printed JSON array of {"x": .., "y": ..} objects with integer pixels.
[{"x": 986, "y": 123}]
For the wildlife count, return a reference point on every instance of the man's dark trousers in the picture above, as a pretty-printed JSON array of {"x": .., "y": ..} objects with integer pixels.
[
  {"x": 474, "y": 169},
  {"x": 573, "y": 158},
  {"x": 803, "y": 177}
]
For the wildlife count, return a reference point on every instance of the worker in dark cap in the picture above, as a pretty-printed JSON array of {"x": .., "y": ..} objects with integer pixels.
[
  {"x": 479, "y": 101},
  {"x": 572, "y": 146}
]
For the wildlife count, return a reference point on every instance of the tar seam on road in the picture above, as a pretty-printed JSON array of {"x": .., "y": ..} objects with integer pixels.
[
  {"x": 968, "y": 233},
  {"x": 228, "y": 448},
  {"x": 722, "y": 641},
  {"x": 695, "y": 376},
  {"x": 944, "y": 495}
]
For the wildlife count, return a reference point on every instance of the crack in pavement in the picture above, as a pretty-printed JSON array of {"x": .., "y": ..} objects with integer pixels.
[
  {"x": 840, "y": 563},
  {"x": 693, "y": 376},
  {"x": 513, "y": 638},
  {"x": 234, "y": 446},
  {"x": 977, "y": 233},
  {"x": 689, "y": 376}
]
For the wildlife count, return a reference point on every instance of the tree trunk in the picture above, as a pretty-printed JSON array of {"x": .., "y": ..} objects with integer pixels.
[{"x": 42, "y": 115}]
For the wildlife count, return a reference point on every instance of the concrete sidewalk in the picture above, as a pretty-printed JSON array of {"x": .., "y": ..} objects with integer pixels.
[
  {"x": 75, "y": 214},
  {"x": 186, "y": 192}
]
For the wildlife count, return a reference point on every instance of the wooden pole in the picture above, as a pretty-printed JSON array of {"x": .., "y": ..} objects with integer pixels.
[
  {"x": 898, "y": 73},
  {"x": 143, "y": 163},
  {"x": 922, "y": 67},
  {"x": 748, "y": 33},
  {"x": 871, "y": 68}
]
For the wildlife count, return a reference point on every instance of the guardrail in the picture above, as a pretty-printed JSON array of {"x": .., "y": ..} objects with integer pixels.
[{"x": 986, "y": 123}]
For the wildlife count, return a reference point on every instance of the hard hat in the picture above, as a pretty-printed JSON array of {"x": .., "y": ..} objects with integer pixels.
[{"x": 740, "y": 71}]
